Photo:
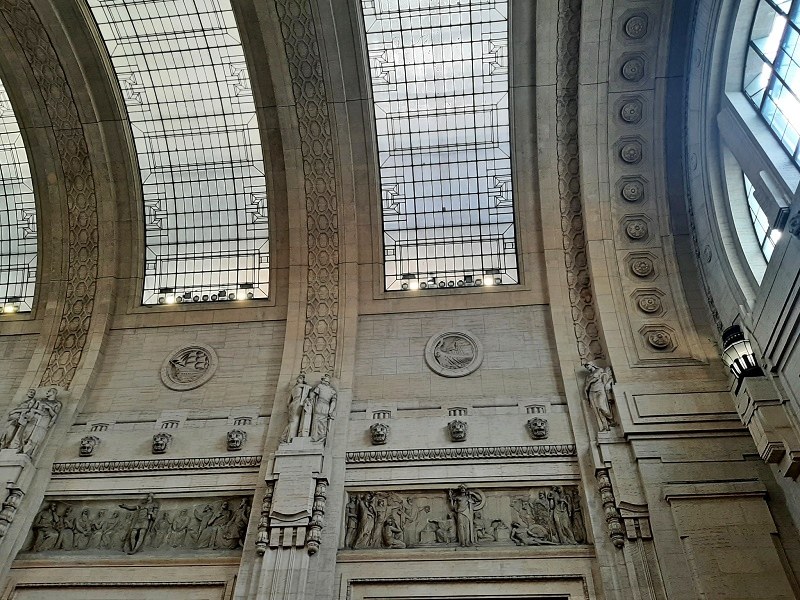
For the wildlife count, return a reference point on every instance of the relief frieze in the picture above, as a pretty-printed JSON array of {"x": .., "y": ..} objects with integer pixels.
[
  {"x": 464, "y": 516},
  {"x": 140, "y": 525}
]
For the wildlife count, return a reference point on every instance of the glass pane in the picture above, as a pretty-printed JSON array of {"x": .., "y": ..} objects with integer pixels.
[
  {"x": 17, "y": 215},
  {"x": 772, "y": 71},
  {"x": 182, "y": 72},
  {"x": 439, "y": 72}
]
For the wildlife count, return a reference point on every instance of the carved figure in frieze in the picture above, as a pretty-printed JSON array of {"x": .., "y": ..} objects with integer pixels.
[
  {"x": 200, "y": 531},
  {"x": 300, "y": 406},
  {"x": 538, "y": 428},
  {"x": 66, "y": 528},
  {"x": 113, "y": 531},
  {"x": 324, "y": 410},
  {"x": 381, "y": 505},
  {"x": 161, "y": 442},
  {"x": 392, "y": 535},
  {"x": 532, "y": 535},
  {"x": 598, "y": 389},
  {"x": 161, "y": 529},
  {"x": 457, "y": 430},
  {"x": 144, "y": 516},
  {"x": 179, "y": 529},
  {"x": 464, "y": 502},
  {"x": 211, "y": 537},
  {"x": 351, "y": 521},
  {"x": 406, "y": 514},
  {"x": 88, "y": 445},
  {"x": 578, "y": 527},
  {"x": 366, "y": 519},
  {"x": 236, "y": 439},
  {"x": 232, "y": 534},
  {"x": 379, "y": 433},
  {"x": 45, "y": 528},
  {"x": 562, "y": 508},
  {"x": 83, "y": 530},
  {"x": 16, "y": 421}
]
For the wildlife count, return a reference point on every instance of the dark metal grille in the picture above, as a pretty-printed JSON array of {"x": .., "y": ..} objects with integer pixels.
[
  {"x": 182, "y": 73},
  {"x": 772, "y": 71},
  {"x": 440, "y": 84},
  {"x": 17, "y": 215}
]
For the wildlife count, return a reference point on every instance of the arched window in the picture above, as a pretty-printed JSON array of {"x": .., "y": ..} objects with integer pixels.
[
  {"x": 182, "y": 73},
  {"x": 440, "y": 84},
  {"x": 772, "y": 72},
  {"x": 17, "y": 216}
]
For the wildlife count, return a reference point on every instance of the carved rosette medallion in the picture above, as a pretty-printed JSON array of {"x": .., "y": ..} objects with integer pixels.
[
  {"x": 631, "y": 152},
  {"x": 632, "y": 190},
  {"x": 189, "y": 367},
  {"x": 660, "y": 340},
  {"x": 642, "y": 267},
  {"x": 636, "y": 27},
  {"x": 649, "y": 303},
  {"x": 631, "y": 112},
  {"x": 636, "y": 229},
  {"x": 453, "y": 353},
  {"x": 633, "y": 69}
]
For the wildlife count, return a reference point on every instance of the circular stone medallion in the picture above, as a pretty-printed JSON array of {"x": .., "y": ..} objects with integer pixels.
[
  {"x": 453, "y": 353},
  {"x": 189, "y": 367}
]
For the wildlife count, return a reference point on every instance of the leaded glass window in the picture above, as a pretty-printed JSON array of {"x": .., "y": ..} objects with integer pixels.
[
  {"x": 182, "y": 73},
  {"x": 772, "y": 71},
  {"x": 440, "y": 82},
  {"x": 17, "y": 215},
  {"x": 766, "y": 235}
]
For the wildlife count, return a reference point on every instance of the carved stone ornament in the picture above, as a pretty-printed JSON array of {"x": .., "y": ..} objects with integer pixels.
[
  {"x": 9, "y": 509},
  {"x": 636, "y": 229},
  {"x": 631, "y": 152},
  {"x": 88, "y": 445},
  {"x": 379, "y": 433},
  {"x": 538, "y": 428},
  {"x": 794, "y": 225},
  {"x": 633, "y": 69},
  {"x": 27, "y": 424},
  {"x": 598, "y": 390},
  {"x": 659, "y": 339},
  {"x": 632, "y": 190},
  {"x": 457, "y": 430},
  {"x": 613, "y": 521},
  {"x": 189, "y": 367},
  {"x": 636, "y": 27},
  {"x": 161, "y": 442},
  {"x": 236, "y": 439},
  {"x": 144, "y": 525},
  {"x": 453, "y": 353},
  {"x": 649, "y": 303},
  {"x": 464, "y": 516},
  {"x": 642, "y": 267},
  {"x": 631, "y": 111},
  {"x": 311, "y": 410}
]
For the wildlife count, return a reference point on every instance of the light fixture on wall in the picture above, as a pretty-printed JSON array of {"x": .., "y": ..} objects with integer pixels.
[
  {"x": 738, "y": 355},
  {"x": 11, "y": 304}
]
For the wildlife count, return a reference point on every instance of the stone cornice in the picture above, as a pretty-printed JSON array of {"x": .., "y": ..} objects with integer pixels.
[
  {"x": 161, "y": 464},
  {"x": 466, "y": 453}
]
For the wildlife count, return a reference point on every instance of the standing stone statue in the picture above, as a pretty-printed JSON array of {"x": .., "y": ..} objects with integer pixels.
[
  {"x": 144, "y": 516},
  {"x": 597, "y": 389},
  {"x": 324, "y": 397},
  {"x": 38, "y": 419},
  {"x": 17, "y": 419},
  {"x": 464, "y": 503},
  {"x": 299, "y": 406}
]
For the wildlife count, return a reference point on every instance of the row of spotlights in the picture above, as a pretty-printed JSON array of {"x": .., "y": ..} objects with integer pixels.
[
  {"x": 12, "y": 304},
  {"x": 431, "y": 283},
  {"x": 223, "y": 295}
]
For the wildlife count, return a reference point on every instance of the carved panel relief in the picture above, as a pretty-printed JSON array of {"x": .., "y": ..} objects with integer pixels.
[
  {"x": 189, "y": 367},
  {"x": 453, "y": 353},
  {"x": 464, "y": 516},
  {"x": 142, "y": 525}
]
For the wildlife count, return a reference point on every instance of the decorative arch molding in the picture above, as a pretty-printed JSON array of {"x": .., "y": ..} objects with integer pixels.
[
  {"x": 82, "y": 244},
  {"x": 319, "y": 173}
]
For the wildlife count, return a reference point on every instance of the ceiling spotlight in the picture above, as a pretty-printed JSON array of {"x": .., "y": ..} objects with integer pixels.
[
  {"x": 205, "y": 297},
  {"x": 423, "y": 284},
  {"x": 179, "y": 299},
  {"x": 498, "y": 281},
  {"x": 442, "y": 284},
  {"x": 451, "y": 283},
  {"x": 196, "y": 298},
  {"x": 250, "y": 295},
  {"x": 213, "y": 297},
  {"x": 169, "y": 299},
  {"x": 161, "y": 299},
  {"x": 478, "y": 281},
  {"x": 404, "y": 286},
  {"x": 488, "y": 281},
  {"x": 231, "y": 296},
  {"x": 460, "y": 283}
]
